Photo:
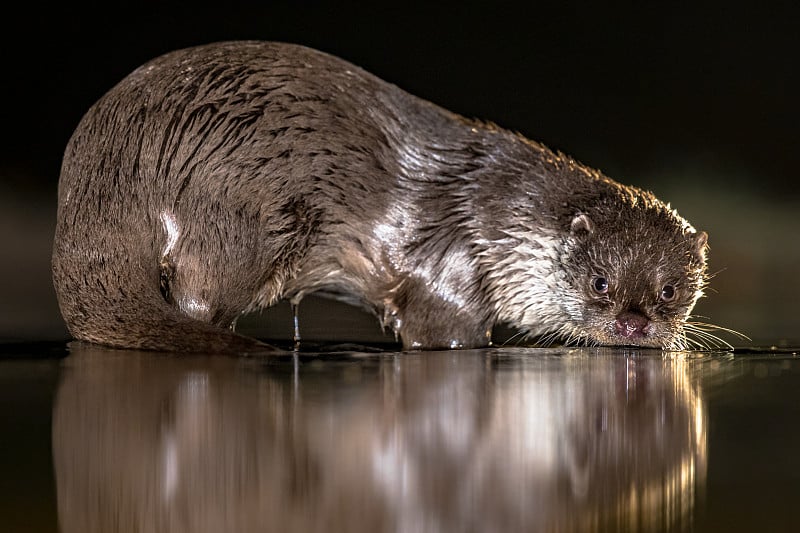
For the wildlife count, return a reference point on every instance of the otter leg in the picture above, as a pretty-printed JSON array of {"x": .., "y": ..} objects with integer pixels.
[{"x": 425, "y": 321}]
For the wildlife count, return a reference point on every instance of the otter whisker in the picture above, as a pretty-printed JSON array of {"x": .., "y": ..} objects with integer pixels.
[
  {"x": 518, "y": 337},
  {"x": 679, "y": 343},
  {"x": 575, "y": 337},
  {"x": 706, "y": 341},
  {"x": 688, "y": 343},
  {"x": 706, "y": 327},
  {"x": 547, "y": 340},
  {"x": 703, "y": 334}
]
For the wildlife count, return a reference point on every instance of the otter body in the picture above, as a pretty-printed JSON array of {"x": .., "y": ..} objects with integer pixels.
[{"x": 219, "y": 179}]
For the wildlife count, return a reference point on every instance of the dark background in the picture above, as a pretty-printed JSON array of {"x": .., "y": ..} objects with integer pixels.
[{"x": 696, "y": 102}]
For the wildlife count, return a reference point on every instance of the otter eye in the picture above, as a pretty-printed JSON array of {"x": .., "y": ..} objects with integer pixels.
[
  {"x": 667, "y": 293},
  {"x": 600, "y": 285}
]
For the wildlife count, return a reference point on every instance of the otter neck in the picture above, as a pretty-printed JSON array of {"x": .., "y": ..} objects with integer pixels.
[{"x": 476, "y": 226}]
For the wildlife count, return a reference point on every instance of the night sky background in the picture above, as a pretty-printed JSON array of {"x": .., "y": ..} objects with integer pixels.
[{"x": 697, "y": 103}]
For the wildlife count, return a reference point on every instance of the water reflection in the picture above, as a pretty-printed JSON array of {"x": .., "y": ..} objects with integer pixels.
[{"x": 505, "y": 440}]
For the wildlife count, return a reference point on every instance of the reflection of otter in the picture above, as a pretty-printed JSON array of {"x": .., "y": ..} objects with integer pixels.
[{"x": 483, "y": 442}]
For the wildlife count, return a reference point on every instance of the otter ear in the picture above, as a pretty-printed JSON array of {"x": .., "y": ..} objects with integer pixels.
[
  {"x": 700, "y": 245},
  {"x": 581, "y": 225}
]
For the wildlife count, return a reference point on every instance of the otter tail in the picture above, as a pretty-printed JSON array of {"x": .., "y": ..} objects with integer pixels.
[{"x": 109, "y": 295}]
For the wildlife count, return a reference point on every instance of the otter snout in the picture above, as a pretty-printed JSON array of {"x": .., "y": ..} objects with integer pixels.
[{"x": 631, "y": 325}]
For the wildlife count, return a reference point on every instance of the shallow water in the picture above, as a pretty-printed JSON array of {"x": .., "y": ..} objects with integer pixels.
[{"x": 483, "y": 440}]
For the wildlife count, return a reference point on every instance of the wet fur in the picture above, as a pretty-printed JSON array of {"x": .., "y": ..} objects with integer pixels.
[{"x": 220, "y": 179}]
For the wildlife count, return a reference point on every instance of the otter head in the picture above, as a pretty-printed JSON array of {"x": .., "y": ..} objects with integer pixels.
[{"x": 635, "y": 269}]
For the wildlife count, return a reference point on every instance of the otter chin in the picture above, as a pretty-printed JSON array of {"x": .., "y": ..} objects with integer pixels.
[{"x": 217, "y": 180}]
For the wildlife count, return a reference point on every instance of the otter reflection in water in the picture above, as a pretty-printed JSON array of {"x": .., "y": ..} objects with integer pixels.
[{"x": 474, "y": 441}]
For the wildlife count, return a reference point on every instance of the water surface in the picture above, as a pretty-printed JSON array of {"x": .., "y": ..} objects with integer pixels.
[{"x": 512, "y": 439}]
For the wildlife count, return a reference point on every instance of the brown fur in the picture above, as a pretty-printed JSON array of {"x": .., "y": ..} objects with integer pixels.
[{"x": 219, "y": 179}]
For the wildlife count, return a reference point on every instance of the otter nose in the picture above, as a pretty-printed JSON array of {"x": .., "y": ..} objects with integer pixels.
[{"x": 631, "y": 324}]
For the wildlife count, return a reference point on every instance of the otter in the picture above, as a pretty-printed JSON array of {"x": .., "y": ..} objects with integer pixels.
[{"x": 218, "y": 179}]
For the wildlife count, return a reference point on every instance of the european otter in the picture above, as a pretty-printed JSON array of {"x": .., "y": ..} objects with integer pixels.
[{"x": 219, "y": 179}]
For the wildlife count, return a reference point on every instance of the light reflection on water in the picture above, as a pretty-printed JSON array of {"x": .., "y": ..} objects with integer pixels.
[{"x": 506, "y": 440}]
